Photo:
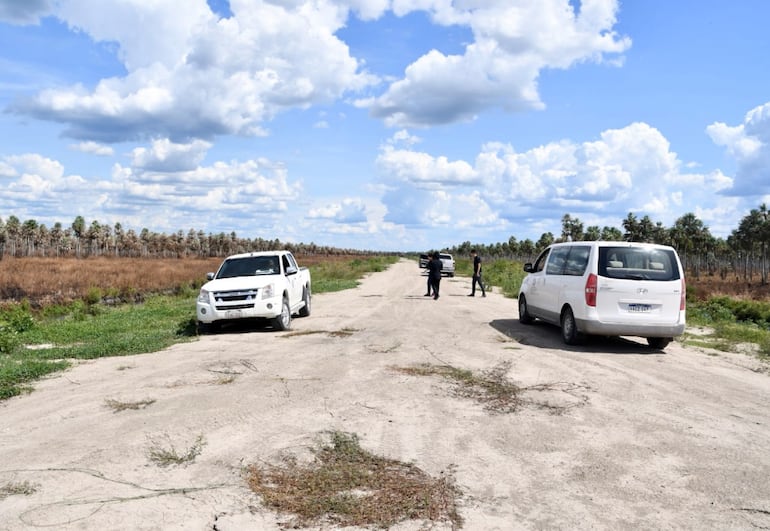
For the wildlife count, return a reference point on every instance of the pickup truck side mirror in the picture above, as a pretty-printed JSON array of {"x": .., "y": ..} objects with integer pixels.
[
  {"x": 291, "y": 271},
  {"x": 209, "y": 276},
  {"x": 528, "y": 267}
]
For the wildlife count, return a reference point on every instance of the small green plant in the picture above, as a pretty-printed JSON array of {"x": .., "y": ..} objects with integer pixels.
[
  {"x": 349, "y": 486},
  {"x": 166, "y": 454},
  {"x": 93, "y": 296}
]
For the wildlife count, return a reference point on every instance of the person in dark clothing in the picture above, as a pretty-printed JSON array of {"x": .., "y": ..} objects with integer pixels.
[
  {"x": 476, "y": 275},
  {"x": 434, "y": 273}
]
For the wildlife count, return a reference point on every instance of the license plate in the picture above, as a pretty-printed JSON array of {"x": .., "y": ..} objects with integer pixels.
[
  {"x": 232, "y": 314},
  {"x": 639, "y": 307}
]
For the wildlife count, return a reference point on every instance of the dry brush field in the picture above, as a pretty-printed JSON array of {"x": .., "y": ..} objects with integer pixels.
[{"x": 45, "y": 281}]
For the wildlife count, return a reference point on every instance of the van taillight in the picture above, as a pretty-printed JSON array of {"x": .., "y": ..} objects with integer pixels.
[
  {"x": 591, "y": 290},
  {"x": 683, "y": 298}
]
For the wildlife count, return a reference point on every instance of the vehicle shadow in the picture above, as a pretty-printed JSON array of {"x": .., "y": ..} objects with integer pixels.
[
  {"x": 544, "y": 335},
  {"x": 241, "y": 326}
]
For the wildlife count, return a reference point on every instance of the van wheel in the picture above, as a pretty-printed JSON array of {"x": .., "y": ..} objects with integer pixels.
[
  {"x": 659, "y": 343},
  {"x": 283, "y": 321},
  {"x": 524, "y": 317},
  {"x": 305, "y": 310},
  {"x": 569, "y": 331}
]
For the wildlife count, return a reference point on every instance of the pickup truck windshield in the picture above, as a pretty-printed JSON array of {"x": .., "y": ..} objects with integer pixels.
[{"x": 249, "y": 266}]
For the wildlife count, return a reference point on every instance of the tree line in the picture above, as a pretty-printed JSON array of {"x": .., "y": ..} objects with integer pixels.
[
  {"x": 743, "y": 254},
  {"x": 82, "y": 240}
]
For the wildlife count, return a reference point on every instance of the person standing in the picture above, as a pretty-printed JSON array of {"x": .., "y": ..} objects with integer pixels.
[
  {"x": 434, "y": 273},
  {"x": 476, "y": 275}
]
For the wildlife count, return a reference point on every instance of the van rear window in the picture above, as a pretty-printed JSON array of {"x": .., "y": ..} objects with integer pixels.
[{"x": 636, "y": 263}]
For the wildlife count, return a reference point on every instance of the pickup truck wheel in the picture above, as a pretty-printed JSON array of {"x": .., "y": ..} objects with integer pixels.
[
  {"x": 569, "y": 330},
  {"x": 524, "y": 316},
  {"x": 283, "y": 321},
  {"x": 305, "y": 310},
  {"x": 207, "y": 328}
]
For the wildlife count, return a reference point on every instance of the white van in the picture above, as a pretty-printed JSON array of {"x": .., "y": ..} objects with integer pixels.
[{"x": 606, "y": 288}]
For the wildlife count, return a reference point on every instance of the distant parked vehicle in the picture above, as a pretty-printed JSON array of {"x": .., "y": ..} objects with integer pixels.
[
  {"x": 606, "y": 288},
  {"x": 447, "y": 263}
]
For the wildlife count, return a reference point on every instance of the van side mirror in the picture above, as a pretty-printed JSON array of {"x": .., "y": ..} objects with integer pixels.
[{"x": 528, "y": 267}]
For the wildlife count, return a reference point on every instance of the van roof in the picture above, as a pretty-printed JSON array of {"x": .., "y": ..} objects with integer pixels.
[{"x": 611, "y": 243}]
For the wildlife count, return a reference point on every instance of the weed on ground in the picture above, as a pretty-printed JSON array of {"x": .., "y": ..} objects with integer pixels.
[
  {"x": 23, "y": 488},
  {"x": 166, "y": 454},
  {"x": 117, "y": 405},
  {"x": 494, "y": 390},
  {"x": 345, "y": 485}
]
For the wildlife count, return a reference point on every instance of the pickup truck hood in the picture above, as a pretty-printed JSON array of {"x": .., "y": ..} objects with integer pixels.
[{"x": 239, "y": 283}]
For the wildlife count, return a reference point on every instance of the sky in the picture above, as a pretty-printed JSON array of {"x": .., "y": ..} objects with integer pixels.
[{"x": 389, "y": 125}]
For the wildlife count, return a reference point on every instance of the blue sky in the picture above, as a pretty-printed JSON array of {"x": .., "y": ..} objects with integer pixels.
[{"x": 383, "y": 124}]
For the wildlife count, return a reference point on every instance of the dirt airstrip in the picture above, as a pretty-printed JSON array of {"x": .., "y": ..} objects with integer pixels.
[{"x": 610, "y": 434}]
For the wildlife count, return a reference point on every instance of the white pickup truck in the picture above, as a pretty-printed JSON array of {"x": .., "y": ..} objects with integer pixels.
[{"x": 265, "y": 285}]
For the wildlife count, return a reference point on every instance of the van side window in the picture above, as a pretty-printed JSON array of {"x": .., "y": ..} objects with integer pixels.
[
  {"x": 557, "y": 261},
  {"x": 540, "y": 262},
  {"x": 577, "y": 261}
]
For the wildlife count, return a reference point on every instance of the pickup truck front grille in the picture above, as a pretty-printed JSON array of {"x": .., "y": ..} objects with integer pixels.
[{"x": 235, "y": 300}]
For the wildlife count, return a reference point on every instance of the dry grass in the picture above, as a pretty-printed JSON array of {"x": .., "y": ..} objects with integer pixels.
[
  {"x": 47, "y": 280},
  {"x": 347, "y": 486},
  {"x": 495, "y": 391},
  {"x": 23, "y": 488},
  {"x": 343, "y": 332},
  {"x": 166, "y": 454},
  {"x": 117, "y": 405}
]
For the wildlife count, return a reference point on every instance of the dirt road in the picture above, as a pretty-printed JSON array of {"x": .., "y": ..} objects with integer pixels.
[{"x": 619, "y": 437}]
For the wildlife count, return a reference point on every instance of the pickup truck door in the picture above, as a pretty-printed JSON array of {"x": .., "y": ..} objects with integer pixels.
[{"x": 293, "y": 278}]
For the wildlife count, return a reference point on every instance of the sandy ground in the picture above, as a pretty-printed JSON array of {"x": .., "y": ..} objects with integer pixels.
[{"x": 646, "y": 440}]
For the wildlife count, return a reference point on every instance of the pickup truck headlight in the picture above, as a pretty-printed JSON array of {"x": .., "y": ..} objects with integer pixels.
[
  {"x": 203, "y": 296},
  {"x": 268, "y": 292}
]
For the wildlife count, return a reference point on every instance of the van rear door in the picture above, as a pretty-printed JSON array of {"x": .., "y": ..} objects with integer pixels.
[{"x": 639, "y": 285}]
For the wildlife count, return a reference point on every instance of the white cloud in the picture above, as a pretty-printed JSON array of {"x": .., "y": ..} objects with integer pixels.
[
  {"x": 94, "y": 148},
  {"x": 628, "y": 169},
  {"x": 424, "y": 170},
  {"x": 191, "y": 74},
  {"x": 749, "y": 144},
  {"x": 514, "y": 41},
  {"x": 237, "y": 194},
  {"x": 348, "y": 210},
  {"x": 168, "y": 156}
]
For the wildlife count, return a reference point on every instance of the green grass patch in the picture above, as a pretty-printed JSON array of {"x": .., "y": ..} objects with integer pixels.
[
  {"x": 337, "y": 276},
  {"x": 506, "y": 275},
  {"x": 157, "y": 323},
  {"x": 734, "y": 322}
]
